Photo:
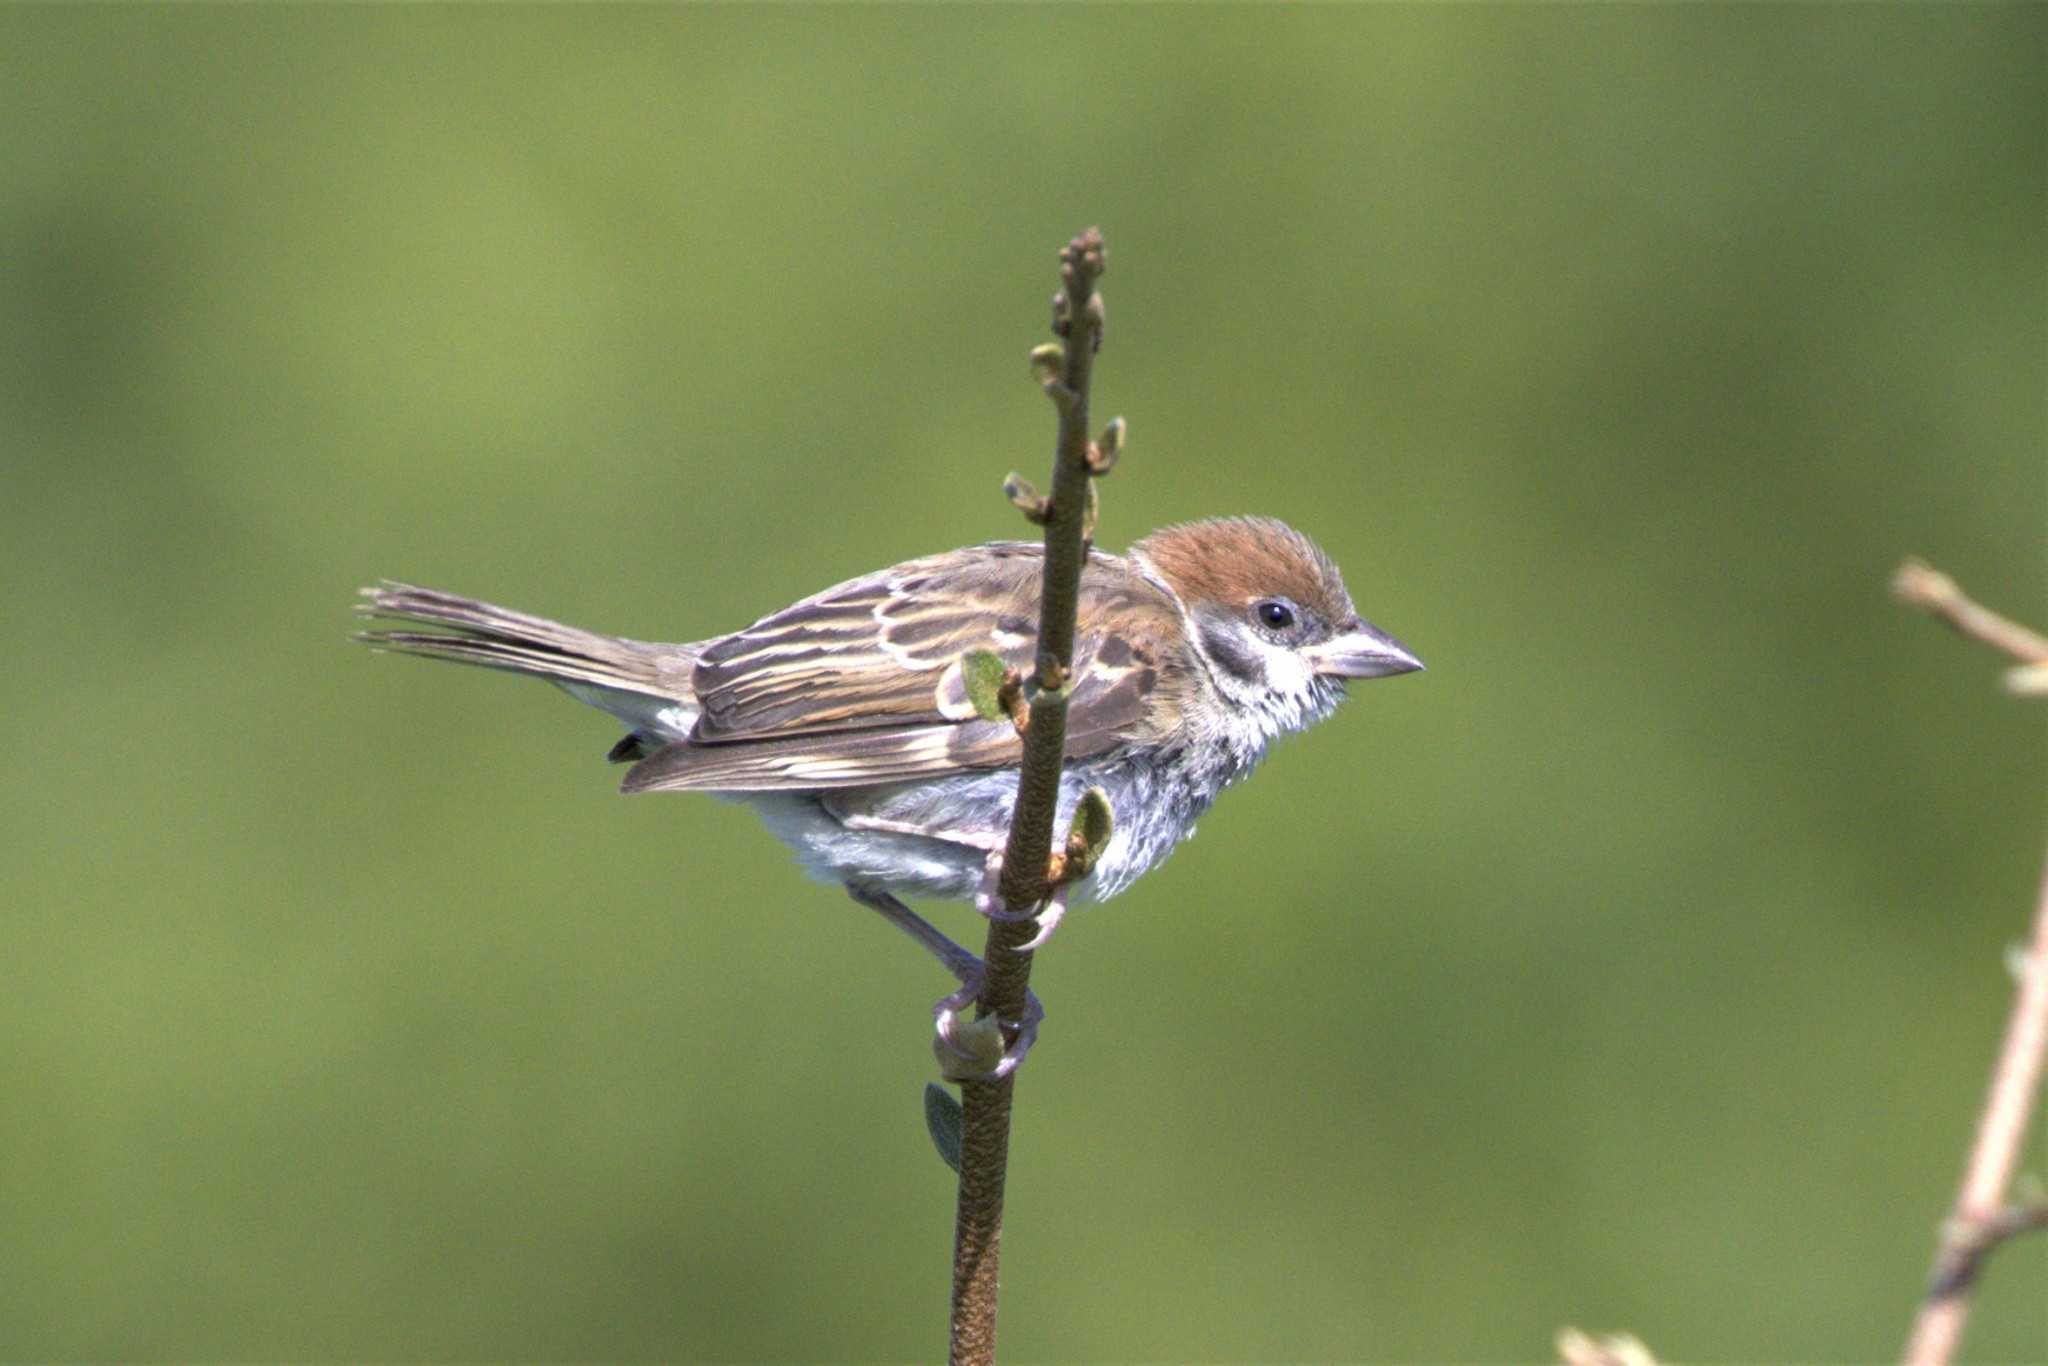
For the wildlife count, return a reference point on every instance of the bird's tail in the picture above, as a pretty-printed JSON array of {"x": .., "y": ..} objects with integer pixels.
[{"x": 645, "y": 685}]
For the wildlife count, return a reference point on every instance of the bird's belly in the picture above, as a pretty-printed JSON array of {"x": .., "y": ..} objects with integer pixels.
[
  {"x": 833, "y": 851},
  {"x": 863, "y": 834}
]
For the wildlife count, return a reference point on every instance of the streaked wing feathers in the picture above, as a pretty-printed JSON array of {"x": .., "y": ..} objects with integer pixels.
[
  {"x": 861, "y": 684},
  {"x": 858, "y": 758},
  {"x": 870, "y": 652}
]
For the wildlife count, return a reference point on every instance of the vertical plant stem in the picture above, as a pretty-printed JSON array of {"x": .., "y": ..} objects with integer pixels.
[
  {"x": 985, "y": 1134},
  {"x": 1980, "y": 1219},
  {"x": 2001, "y": 1134}
]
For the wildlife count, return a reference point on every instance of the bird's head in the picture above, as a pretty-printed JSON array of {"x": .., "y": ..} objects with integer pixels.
[{"x": 1266, "y": 612}]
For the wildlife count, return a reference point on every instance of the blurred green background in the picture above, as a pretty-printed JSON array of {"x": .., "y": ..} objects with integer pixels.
[{"x": 1637, "y": 967}]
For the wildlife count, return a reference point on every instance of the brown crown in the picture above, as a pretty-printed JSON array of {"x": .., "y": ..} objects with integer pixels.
[{"x": 1232, "y": 561}]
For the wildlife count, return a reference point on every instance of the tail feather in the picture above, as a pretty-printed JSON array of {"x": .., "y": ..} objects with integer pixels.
[{"x": 646, "y": 685}]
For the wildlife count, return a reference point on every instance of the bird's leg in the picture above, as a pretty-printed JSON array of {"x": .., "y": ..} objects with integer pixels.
[
  {"x": 964, "y": 966},
  {"x": 968, "y": 971}
]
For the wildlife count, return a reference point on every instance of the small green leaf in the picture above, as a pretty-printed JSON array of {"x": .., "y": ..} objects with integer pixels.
[
  {"x": 983, "y": 671},
  {"x": 1093, "y": 823},
  {"x": 942, "y": 1121}
]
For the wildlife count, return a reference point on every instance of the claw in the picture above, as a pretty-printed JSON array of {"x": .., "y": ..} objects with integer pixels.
[
  {"x": 1048, "y": 920},
  {"x": 1027, "y": 1035},
  {"x": 967, "y": 1049}
]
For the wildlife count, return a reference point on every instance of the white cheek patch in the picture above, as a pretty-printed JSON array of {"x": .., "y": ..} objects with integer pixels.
[{"x": 1287, "y": 671}]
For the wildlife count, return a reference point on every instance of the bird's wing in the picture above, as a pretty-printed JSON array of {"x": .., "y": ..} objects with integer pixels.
[{"x": 861, "y": 684}]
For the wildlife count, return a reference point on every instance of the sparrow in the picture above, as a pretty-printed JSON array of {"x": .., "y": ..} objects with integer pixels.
[{"x": 844, "y": 720}]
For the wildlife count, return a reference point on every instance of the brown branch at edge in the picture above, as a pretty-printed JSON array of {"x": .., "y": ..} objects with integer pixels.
[
  {"x": 1919, "y": 584},
  {"x": 2001, "y": 1136},
  {"x": 985, "y": 1129},
  {"x": 1980, "y": 1219},
  {"x": 1578, "y": 1348},
  {"x": 1963, "y": 1255}
]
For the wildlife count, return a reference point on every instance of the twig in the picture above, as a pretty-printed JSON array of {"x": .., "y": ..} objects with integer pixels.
[
  {"x": 1981, "y": 1219},
  {"x": 1578, "y": 1348},
  {"x": 1972, "y": 1228},
  {"x": 985, "y": 1134},
  {"x": 1919, "y": 584},
  {"x": 1965, "y": 1251}
]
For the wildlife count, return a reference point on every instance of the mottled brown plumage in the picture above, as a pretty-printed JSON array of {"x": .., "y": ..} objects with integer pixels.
[
  {"x": 844, "y": 722},
  {"x": 861, "y": 683}
]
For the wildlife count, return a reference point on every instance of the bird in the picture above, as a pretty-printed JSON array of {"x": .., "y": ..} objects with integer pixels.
[{"x": 845, "y": 720}]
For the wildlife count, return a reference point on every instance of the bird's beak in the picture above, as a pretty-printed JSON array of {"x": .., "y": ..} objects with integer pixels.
[{"x": 1361, "y": 650}]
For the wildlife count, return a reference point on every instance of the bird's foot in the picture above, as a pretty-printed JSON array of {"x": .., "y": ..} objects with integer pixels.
[
  {"x": 968, "y": 1049},
  {"x": 988, "y": 901},
  {"x": 988, "y": 897},
  {"x": 985, "y": 1049},
  {"x": 1048, "y": 919}
]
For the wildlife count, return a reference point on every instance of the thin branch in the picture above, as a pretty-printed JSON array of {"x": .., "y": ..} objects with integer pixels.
[
  {"x": 1981, "y": 1218},
  {"x": 1965, "y": 1252},
  {"x": 2001, "y": 1135},
  {"x": 985, "y": 1135},
  {"x": 1578, "y": 1348},
  {"x": 1919, "y": 584}
]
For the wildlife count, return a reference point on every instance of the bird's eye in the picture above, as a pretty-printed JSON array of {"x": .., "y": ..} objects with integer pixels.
[{"x": 1274, "y": 614}]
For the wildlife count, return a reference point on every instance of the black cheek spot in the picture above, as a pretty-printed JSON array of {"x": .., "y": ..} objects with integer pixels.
[{"x": 1232, "y": 657}]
